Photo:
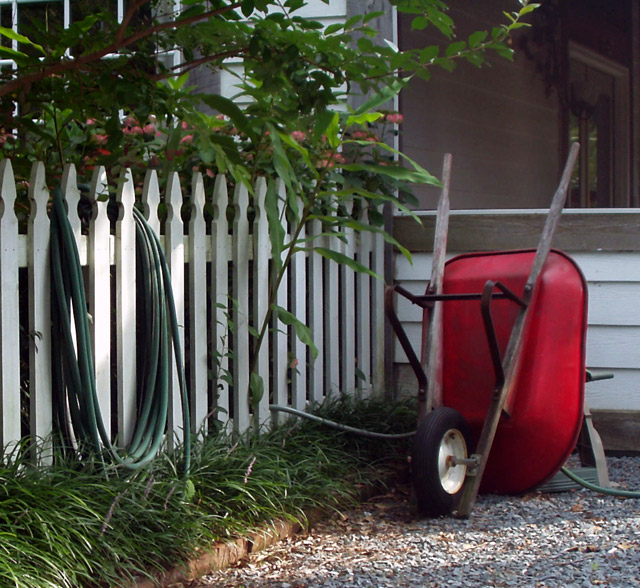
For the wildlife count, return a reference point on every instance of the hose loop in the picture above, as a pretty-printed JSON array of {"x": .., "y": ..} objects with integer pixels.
[{"x": 79, "y": 421}]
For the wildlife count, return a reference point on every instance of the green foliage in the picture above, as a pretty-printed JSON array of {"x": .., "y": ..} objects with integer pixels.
[
  {"x": 100, "y": 93},
  {"x": 67, "y": 526}
]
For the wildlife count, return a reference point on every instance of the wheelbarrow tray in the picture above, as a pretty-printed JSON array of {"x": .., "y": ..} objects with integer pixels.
[{"x": 547, "y": 399}]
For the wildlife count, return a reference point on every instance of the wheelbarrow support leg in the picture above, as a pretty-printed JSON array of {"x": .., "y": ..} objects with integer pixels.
[{"x": 502, "y": 393}]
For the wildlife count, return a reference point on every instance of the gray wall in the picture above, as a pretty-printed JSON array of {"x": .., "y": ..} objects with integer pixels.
[{"x": 497, "y": 122}]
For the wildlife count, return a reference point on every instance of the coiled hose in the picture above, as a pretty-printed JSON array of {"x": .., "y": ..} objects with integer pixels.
[{"x": 79, "y": 421}]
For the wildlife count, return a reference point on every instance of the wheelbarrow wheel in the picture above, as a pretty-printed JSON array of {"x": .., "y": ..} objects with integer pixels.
[{"x": 438, "y": 482}]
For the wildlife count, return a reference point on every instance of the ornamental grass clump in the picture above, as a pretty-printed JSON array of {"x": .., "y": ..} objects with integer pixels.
[{"x": 75, "y": 524}]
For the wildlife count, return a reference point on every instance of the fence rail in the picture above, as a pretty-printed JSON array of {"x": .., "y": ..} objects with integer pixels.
[{"x": 220, "y": 277}]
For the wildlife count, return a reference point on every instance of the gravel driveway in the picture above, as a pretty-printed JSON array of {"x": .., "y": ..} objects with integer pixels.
[{"x": 574, "y": 538}]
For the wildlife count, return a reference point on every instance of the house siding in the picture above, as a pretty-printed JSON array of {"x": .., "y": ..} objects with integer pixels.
[{"x": 497, "y": 121}]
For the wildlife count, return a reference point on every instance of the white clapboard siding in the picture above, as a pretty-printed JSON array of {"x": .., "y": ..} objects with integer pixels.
[
  {"x": 613, "y": 279},
  {"x": 223, "y": 312}
]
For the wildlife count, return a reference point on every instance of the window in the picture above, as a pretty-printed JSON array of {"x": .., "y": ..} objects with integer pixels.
[{"x": 599, "y": 119}]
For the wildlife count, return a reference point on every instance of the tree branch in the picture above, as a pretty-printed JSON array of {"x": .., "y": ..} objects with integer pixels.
[{"x": 183, "y": 68}]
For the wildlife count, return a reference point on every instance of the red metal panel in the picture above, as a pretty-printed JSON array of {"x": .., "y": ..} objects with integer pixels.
[{"x": 548, "y": 397}]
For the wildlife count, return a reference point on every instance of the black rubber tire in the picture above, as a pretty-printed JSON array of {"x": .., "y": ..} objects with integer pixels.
[{"x": 443, "y": 427}]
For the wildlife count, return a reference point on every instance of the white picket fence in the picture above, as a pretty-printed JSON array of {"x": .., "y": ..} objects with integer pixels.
[{"x": 217, "y": 272}]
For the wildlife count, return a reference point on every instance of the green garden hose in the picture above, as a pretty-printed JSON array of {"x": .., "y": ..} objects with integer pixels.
[
  {"x": 400, "y": 436},
  {"x": 76, "y": 409},
  {"x": 600, "y": 489}
]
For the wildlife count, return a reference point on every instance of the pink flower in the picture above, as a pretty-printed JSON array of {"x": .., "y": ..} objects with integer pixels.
[
  {"x": 149, "y": 129},
  {"x": 361, "y": 135},
  {"x": 99, "y": 139},
  {"x": 210, "y": 173},
  {"x": 137, "y": 130},
  {"x": 395, "y": 117},
  {"x": 184, "y": 125},
  {"x": 298, "y": 136},
  {"x": 91, "y": 121},
  {"x": 186, "y": 139},
  {"x": 130, "y": 121}
]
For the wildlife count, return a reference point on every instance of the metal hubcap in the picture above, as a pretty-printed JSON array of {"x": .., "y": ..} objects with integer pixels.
[{"x": 454, "y": 446}]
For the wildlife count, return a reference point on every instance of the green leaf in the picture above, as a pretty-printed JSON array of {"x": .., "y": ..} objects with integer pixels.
[
  {"x": 276, "y": 229},
  {"x": 179, "y": 82},
  {"x": 302, "y": 331},
  {"x": 384, "y": 95},
  {"x": 11, "y": 34},
  {"x": 189, "y": 490},
  {"x": 396, "y": 172},
  {"x": 455, "y": 48},
  {"x": 364, "y": 118},
  {"x": 303, "y": 151},
  {"x": 419, "y": 23},
  {"x": 364, "y": 44},
  {"x": 371, "y": 15},
  {"x": 247, "y": 7},
  {"x": 343, "y": 259},
  {"x": 333, "y": 131},
  {"x": 428, "y": 53},
  {"x": 322, "y": 121},
  {"x": 12, "y": 53},
  {"x": 229, "y": 108},
  {"x": 256, "y": 386},
  {"x": 477, "y": 38},
  {"x": 528, "y": 8},
  {"x": 334, "y": 28},
  {"x": 362, "y": 227},
  {"x": 280, "y": 160}
]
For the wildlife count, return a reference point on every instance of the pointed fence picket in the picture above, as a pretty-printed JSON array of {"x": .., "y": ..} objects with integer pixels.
[
  {"x": 221, "y": 274},
  {"x": 9, "y": 303}
]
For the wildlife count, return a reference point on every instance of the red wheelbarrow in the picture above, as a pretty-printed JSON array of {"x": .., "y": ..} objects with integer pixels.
[{"x": 502, "y": 373}]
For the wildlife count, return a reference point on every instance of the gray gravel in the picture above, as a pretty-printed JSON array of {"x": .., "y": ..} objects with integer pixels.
[{"x": 575, "y": 538}]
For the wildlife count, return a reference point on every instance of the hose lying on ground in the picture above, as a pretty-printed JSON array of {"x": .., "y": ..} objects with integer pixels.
[
  {"x": 76, "y": 406},
  {"x": 399, "y": 436},
  {"x": 340, "y": 427},
  {"x": 601, "y": 489}
]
